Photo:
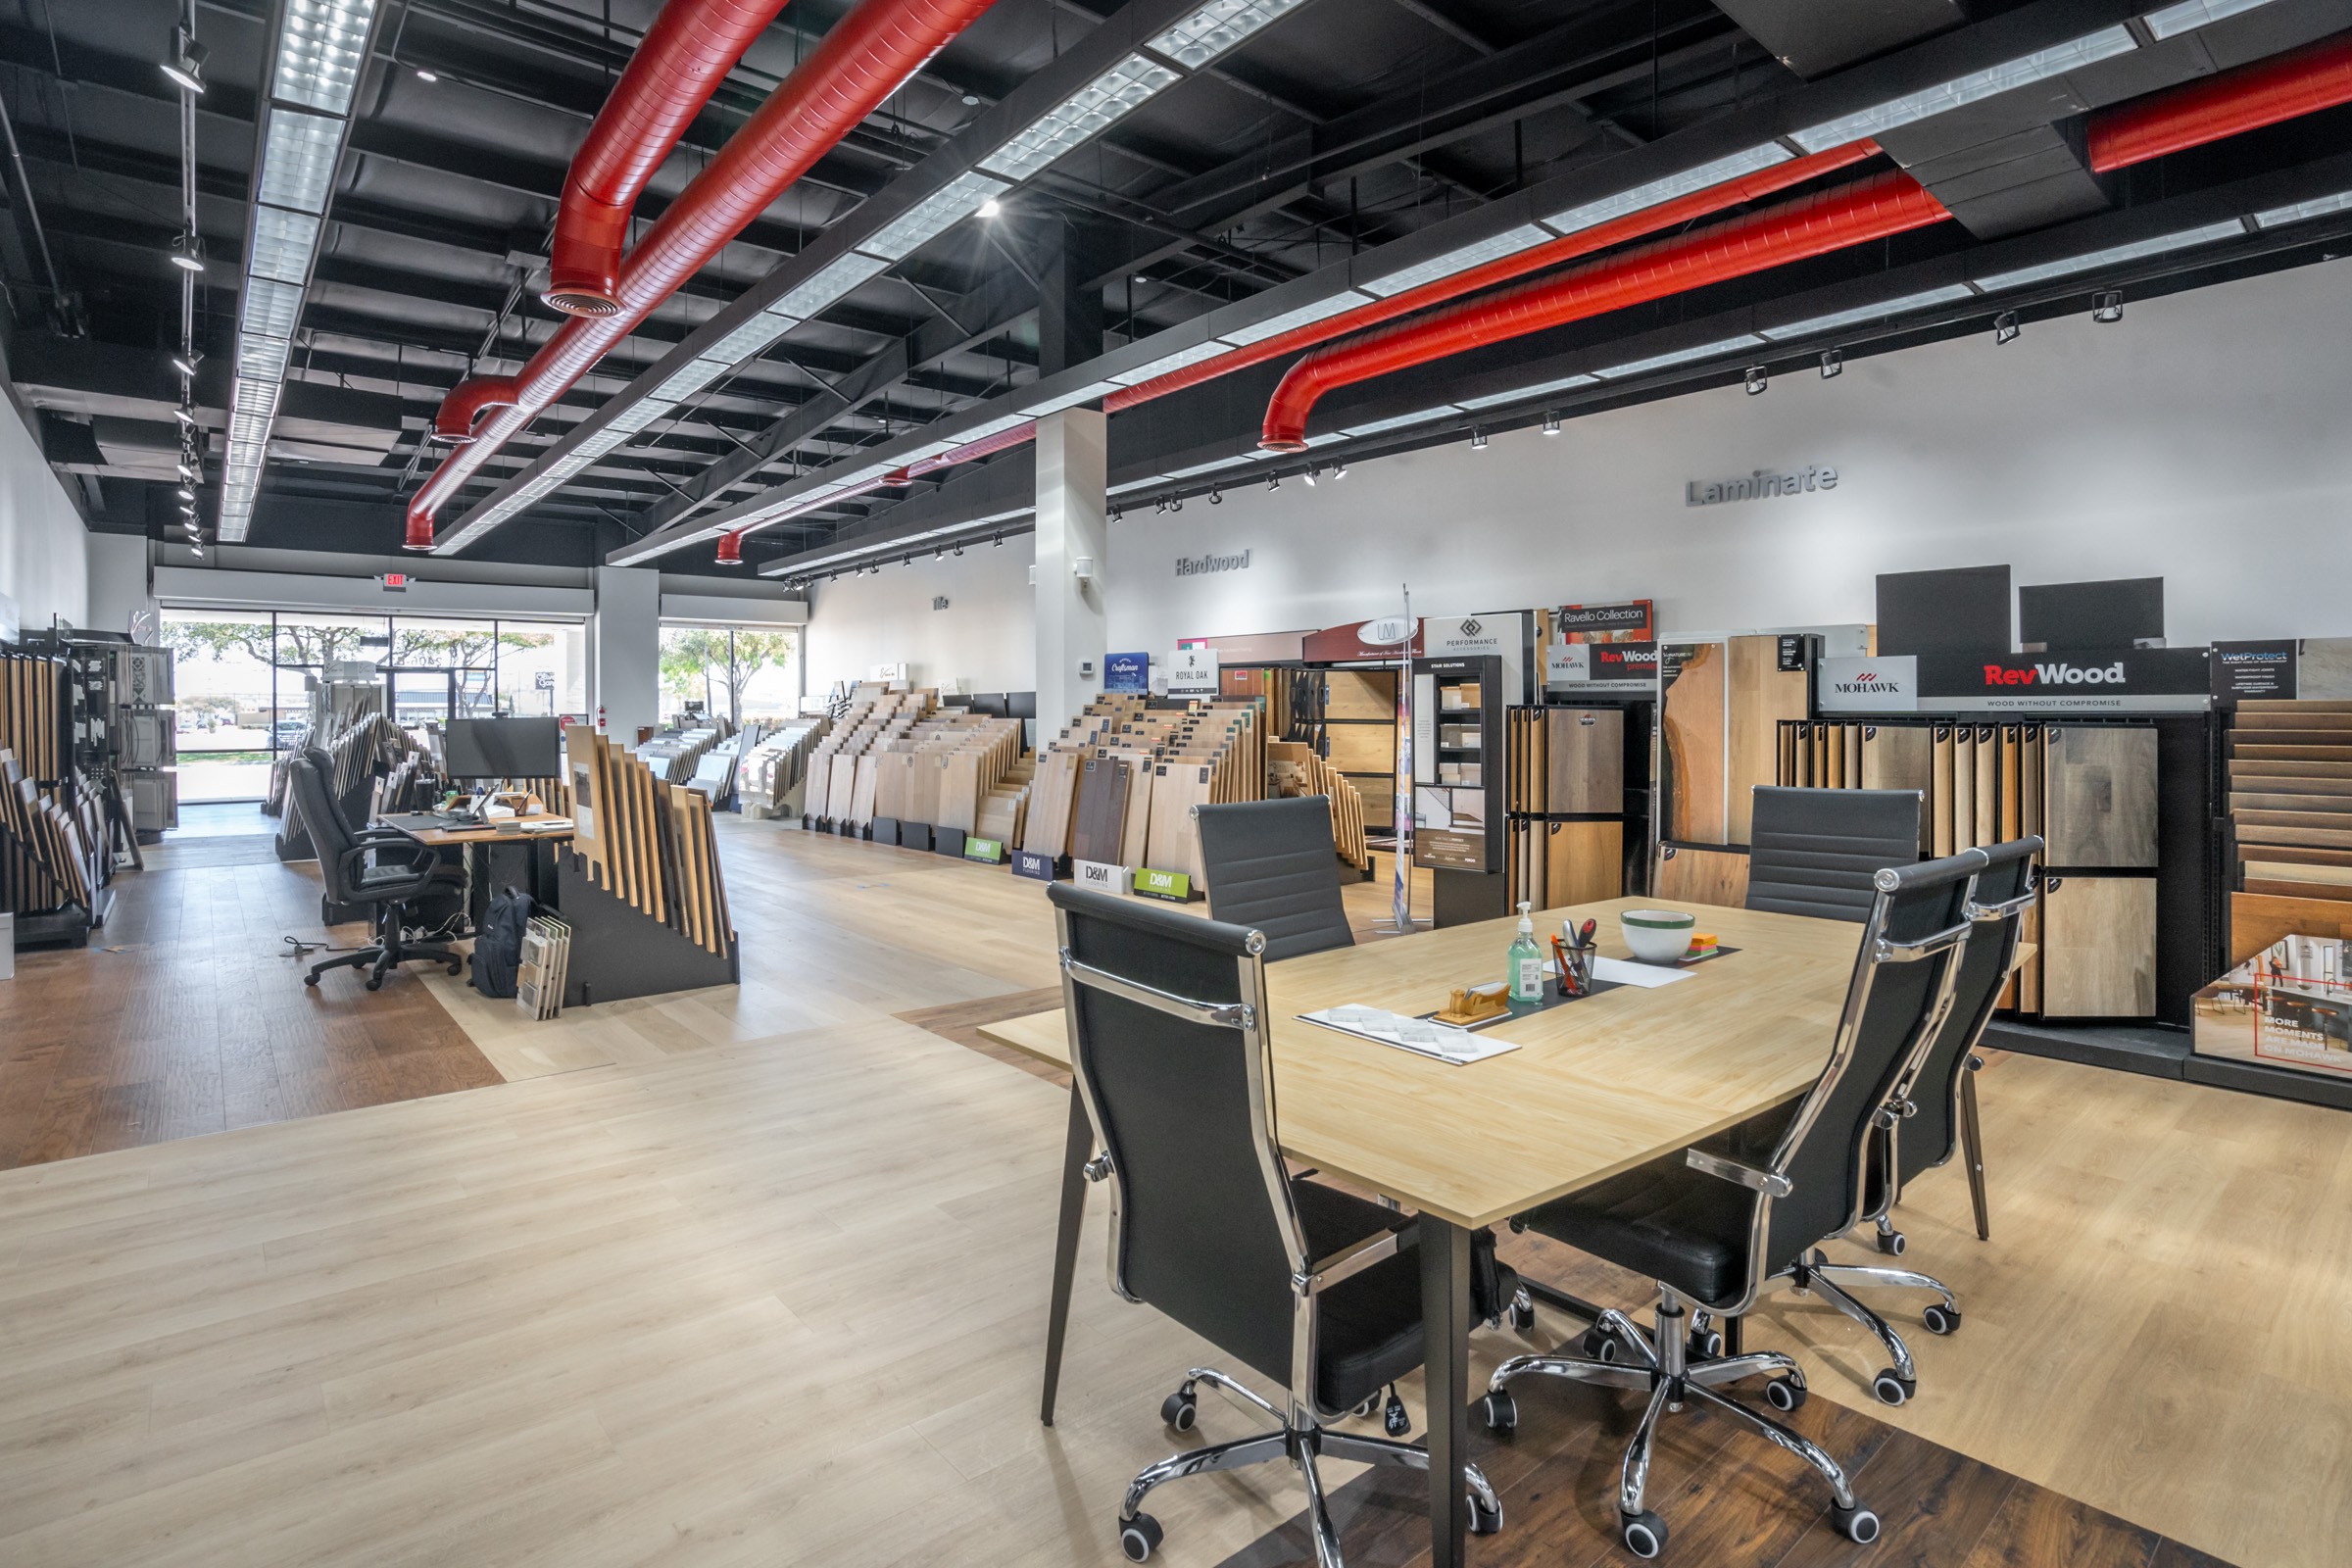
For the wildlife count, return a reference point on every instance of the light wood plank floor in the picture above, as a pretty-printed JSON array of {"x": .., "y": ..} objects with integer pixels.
[{"x": 767, "y": 1285}]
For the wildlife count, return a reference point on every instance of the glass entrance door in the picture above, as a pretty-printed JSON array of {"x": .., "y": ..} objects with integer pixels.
[{"x": 418, "y": 696}]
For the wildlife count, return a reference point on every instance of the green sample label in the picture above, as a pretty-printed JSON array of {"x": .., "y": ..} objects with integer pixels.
[
  {"x": 1176, "y": 885},
  {"x": 990, "y": 849}
]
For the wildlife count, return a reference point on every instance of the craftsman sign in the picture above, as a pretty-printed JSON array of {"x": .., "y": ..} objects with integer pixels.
[
  {"x": 2138, "y": 681},
  {"x": 1126, "y": 672},
  {"x": 1760, "y": 484}
]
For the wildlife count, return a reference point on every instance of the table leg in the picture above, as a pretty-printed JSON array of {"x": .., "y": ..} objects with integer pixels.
[
  {"x": 1972, "y": 1150},
  {"x": 1445, "y": 1250},
  {"x": 1077, "y": 1149}
]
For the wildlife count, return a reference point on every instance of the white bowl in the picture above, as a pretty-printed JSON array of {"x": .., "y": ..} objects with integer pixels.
[{"x": 1657, "y": 936}]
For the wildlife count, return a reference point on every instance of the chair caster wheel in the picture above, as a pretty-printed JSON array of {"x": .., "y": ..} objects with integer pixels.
[
  {"x": 1485, "y": 1521},
  {"x": 1705, "y": 1344},
  {"x": 1856, "y": 1524},
  {"x": 1139, "y": 1536},
  {"x": 1601, "y": 1346},
  {"x": 1180, "y": 1410},
  {"x": 1501, "y": 1412},
  {"x": 1784, "y": 1394},
  {"x": 1644, "y": 1533},
  {"x": 1939, "y": 1318},
  {"x": 310, "y": 980},
  {"x": 1523, "y": 1313},
  {"x": 1892, "y": 1387},
  {"x": 1892, "y": 1243},
  {"x": 457, "y": 968},
  {"x": 1395, "y": 1418},
  {"x": 375, "y": 981}
]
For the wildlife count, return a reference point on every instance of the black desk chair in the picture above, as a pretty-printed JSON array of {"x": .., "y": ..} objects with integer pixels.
[
  {"x": 1715, "y": 1230},
  {"x": 382, "y": 867},
  {"x": 1273, "y": 868},
  {"x": 1311, "y": 1287},
  {"x": 1814, "y": 852},
  {"x": 1936, "y": 1114}
]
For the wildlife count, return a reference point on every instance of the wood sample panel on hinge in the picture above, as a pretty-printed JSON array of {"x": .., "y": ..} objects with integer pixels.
[
  {"x": 1688, "y": 875},
  {"x": 2098, "y": 947},
  {"x": 1580, "y": 862},
  {"x": 2099, "y": 795},
  {"x": 1692, "y": 731},
  {"x": 1759, "y": 695}
]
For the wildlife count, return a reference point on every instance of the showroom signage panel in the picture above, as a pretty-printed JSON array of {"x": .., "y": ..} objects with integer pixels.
[
  {"x": 1193, "y": 672},
  {"x": 2136, "y": 680},
  {"x": 1635, "y": 619},
  {"x": 1358, "y": 640},
  {"x": 1602, "y": 667},
  {"x": 2260, "y": 669},
  {"x": 1126, "y": 672}
]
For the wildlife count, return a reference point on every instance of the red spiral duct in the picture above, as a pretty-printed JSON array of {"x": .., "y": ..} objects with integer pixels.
[
  {"x": 858, "y": 64},
  {"x": 453, "y": 424},
  {"x": 1812, "y": 225},
  {"x": 2301, "y": 82},
  {"x": 679, "y": 64},
  {"x": 730, "y": 549}
]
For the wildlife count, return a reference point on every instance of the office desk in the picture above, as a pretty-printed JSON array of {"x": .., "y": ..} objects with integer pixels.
[
  {"x": 1599, "y": 1086},
  {"x": 533, "y": 869}
]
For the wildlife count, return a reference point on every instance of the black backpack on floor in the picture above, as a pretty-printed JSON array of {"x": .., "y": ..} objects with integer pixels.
[{"x": 498, "y": 947}]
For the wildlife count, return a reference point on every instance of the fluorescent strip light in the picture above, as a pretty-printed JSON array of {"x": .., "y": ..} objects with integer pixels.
[
  {"x": 1291, "y": 320},
  {"x": 828, "y": 285},
  {"x": 995, "y": 426},
  {"x": 256, "y": 397},
  {"x": 1869, "y": 312},
  {"x": 1173, "y": 361},
  {"x": 688, "y": 379},
  {"x": 933, "y": 215},
  {"x": 637, "y": 416},
  {"x": 1068, "y": 400},
  {"x": 2114, "y": 255},
  {"x": 272, "y": 308},
  {"x": 1658, "y": 191},
  {"x": 1397, "y": 424},
  {"x": 1496, "y": 399},
  {"x": 298, "y": 159},
  {"x": 1324, "y": 440},
  {"x": 321, "y": 52},
  {"x": 261, "y": 356},
  {"x": 1199, "y": 468},
  {"x": 1216, "y": 28},
  {"x": 1094, "y": 108},
  {"x": 253, "y": 428},
  {"x": 1658, "y": 361},
  {"x": 604, "y": 441},
  {"x": 2190, "y": 15},
  {"x": 931, "y": 449},
  {"x": 2040, "y": 66},
  {"x": 283, "y": 244},
  {"x": 753, "y": 336},
  {"x": 2316, "y": 207},
  {"x": 1526, "y": 237}
]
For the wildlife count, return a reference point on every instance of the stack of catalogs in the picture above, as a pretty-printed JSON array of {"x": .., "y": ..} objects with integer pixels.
[{"x": 546, "y": 963}]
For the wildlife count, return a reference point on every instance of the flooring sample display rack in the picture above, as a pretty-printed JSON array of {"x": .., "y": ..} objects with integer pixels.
[
  {"x": 54, "y": 864},
  {"x": 1720, "y": 706},
  {"x": 1117, "y": 786},
  {"x": 1577, "y": 800},
  {"x": 641, "y": 885}
]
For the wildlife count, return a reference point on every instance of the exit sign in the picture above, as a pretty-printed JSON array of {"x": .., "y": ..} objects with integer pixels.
[{"x": 394, "y": 582}]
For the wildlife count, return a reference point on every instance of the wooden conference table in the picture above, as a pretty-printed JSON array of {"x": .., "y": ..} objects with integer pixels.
[{"x": 1599, "y": 1086}]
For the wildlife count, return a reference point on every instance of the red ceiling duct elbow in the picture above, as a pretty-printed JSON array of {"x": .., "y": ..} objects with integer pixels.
[
  {"x": 678, "y": 65},
  {"x": 420, "y": 533},
  {"x": 730, "y": 547},
  {"x": 467, "y": 401},
  {"x": 860, "y": 60},
  {"x": 1812, "y": 225},
  {"x": 2301, "y": 82}
]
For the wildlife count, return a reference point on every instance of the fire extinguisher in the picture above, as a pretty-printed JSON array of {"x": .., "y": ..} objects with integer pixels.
[{"x": 600, "y": 719}]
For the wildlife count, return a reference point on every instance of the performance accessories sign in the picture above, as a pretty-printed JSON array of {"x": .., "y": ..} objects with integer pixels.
[{"x": 2138, "y": 681}]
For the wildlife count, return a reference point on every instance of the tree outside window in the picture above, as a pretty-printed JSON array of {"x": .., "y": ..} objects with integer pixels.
[{"x": 717, "y": 665}]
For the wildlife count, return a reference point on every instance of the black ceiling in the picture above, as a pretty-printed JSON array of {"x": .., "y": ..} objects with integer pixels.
[{"x": 1347, "y": 124}]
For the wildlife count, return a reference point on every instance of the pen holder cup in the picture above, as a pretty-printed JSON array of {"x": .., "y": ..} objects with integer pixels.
[{"x": 1579, "y": 966}]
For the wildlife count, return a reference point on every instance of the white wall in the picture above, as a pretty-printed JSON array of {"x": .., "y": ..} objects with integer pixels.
[
  {"x": 117, "y": 564},
  {"x": 985, "y": 637},
  {"x": 2207, "y": 438},
  {"x": 624, "y": 640},
  {"x": 43, "y": 566}
]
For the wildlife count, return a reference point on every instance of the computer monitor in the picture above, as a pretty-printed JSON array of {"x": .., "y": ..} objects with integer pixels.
[{"x": 503, "y": 748}]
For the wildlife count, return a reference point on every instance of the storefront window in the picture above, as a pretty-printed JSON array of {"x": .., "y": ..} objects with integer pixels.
[{"x": 739, "y": 674}]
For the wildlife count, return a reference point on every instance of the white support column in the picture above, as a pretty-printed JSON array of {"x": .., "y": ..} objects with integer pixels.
[
  {"x": 626, "y": 635},
  {"x": 1072, "y": 512}
]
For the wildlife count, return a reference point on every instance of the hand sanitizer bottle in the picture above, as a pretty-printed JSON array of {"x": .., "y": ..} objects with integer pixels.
[{"x": 1526, "y": 963}]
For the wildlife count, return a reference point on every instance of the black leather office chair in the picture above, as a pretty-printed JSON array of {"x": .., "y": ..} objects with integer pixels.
[
  {"x": 1714, "y": 1230},
  {"x": 1935, "y": 1115},
  {"x": 1813, "y": 851},
  {"x": 1308, "y": 1285},
  {"x": 1272, "y": 866},
  {"x": 382, "y": 867}
]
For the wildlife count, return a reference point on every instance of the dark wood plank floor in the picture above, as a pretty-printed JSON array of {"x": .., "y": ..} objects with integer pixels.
[
  {"x": 183, "y": 1017},
  {"x": 1729, "y": 1499}
]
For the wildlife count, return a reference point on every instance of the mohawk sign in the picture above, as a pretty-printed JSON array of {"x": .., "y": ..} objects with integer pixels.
[{"x": 2139, "y": 680}]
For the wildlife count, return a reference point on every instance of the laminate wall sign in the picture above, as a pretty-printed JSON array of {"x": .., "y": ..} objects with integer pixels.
[
  {"x": 1097, "y": 831},
  {"x": 2099, "y": 795},
  {"x": 1691, "y": 726},
  {"x": 1687, "y": 875},
  {"x": 2098, "y": 947},
  {"x": 1760, "y": 695},
  {"x": 1583, "y": 750}
]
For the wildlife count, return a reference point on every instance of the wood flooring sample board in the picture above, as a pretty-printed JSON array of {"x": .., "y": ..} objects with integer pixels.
[
  {"x": 2098, "y": 947},
  {"x": 1584, "y": 760},
  {"x": 2099, "y": 795},
  {"x": 1691, "y": 729},
  {"x": 1580, "y": 862},
  {"x": 1685, "y": 875},
  {"x": 1759, "y": 694}
]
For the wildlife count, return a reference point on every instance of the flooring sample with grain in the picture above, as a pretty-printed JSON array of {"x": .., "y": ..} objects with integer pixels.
[{"x": 1691, "y": 724}]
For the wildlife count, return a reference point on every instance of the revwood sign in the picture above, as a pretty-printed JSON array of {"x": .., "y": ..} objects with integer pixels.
[{"x": 2140, "y": 680}]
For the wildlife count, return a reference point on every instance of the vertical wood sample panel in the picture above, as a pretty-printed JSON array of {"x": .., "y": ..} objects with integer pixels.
[
  {"x": 1691, "y": 724},
  {"x": 1685, "y": 875},
  {"x": 2098, "y": 947},
  {"x": 1580, "y": 862},
  {"x": 2099, "y": 795},
  {"x": 1583, "y": 752},
  {"x": 1760, "y": 694}
]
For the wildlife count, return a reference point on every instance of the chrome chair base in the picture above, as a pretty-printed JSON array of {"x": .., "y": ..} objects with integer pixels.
[
  {"x": 1301, "y": 1440},
  {"x": 1663, "y": 1363},
  {"x": 1896, "y": 1384}
]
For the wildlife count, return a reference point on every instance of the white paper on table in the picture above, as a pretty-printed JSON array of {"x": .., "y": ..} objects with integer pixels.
[
  {"x": 1423, "y": 1037},
  {"x": 1625, "y": 972}
]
